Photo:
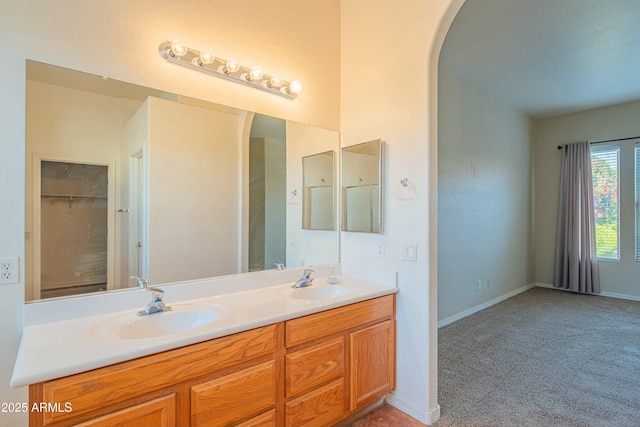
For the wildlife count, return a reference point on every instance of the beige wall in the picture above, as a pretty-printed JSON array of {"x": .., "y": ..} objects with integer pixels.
[
  {"x": 618, "y": 121},
  {"x": 194, "y": 218},
  {"x": 484, "y": 204},
  {"x": 389, "y": 90},
  {"x": 119, "y": 38}
]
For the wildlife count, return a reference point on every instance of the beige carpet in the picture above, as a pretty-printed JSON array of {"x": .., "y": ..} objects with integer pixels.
[{"x": 543, "y": 358}]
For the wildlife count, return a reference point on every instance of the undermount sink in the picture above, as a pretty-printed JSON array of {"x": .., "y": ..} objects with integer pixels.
[
  {"x": 181, "y": 318},
  {"x": 319, "y": 292}
]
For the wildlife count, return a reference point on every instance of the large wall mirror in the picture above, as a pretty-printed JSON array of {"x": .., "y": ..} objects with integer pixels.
[
  {"x": 124, "y": 180},
  {"x": 362, "y": 178}
]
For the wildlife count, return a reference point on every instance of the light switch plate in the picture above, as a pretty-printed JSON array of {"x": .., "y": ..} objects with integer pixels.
[{"x": 410, "y": 253}]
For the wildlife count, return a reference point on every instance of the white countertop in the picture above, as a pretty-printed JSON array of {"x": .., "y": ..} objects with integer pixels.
[{"x": 54, "y": 349}]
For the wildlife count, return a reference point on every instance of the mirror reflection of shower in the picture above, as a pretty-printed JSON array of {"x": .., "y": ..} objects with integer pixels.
[
  {"x": 362, "y": 178},
  {"x": 73, "y": 228},
  {"x": 318, "y": 191},
  {"x": 267, "y": 193}
]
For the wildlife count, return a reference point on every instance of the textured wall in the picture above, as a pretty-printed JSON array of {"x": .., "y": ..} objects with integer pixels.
[{"x": 484, "y": 198}]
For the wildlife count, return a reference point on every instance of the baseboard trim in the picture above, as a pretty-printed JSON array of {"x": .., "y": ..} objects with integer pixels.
[
  {"x": 426, "y": 417},
  {"x": 449, "y": 320},
  {"x": 601, "y": 294}
]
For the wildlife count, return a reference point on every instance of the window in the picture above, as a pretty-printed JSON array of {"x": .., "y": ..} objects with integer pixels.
[{"x": 604, "y": 169}]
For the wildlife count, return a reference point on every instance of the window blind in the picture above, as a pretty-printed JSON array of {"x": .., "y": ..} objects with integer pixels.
[{"x": 604, "y": 169}]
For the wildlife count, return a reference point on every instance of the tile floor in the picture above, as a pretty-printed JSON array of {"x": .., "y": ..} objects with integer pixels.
[{"x": 387, "y": 416}]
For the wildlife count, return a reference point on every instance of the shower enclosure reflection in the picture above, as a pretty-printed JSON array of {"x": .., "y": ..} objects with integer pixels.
[
  {"x": 318, "y": 195},
  {"x": 73, "y": 228},
  {"x": 362, "y": 167}
]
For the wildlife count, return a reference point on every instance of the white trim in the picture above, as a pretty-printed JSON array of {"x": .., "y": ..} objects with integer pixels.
[
  {"x": 602, "y": 294},
  {"x": 477, "y": 308},
  {"x": 427, "y": 416}
]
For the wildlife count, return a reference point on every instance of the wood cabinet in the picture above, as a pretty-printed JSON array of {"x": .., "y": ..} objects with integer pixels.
[
  {"x": 310, "y": 371},
  {"x": 339, "y": 361},
  {"x": 192, "y": 374},
  {"x": 372, "y": 363}
]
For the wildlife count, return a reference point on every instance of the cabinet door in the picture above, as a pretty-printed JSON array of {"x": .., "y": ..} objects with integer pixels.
[
  {"x": 160, "y": 412},
  {"x": 321, "y": 407},
  {"x": 372, "y": 363},
  {"x": 234, "y": 398}
]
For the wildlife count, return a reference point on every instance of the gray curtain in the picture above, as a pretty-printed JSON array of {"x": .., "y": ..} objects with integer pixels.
[{"x": 576, "y": 262}]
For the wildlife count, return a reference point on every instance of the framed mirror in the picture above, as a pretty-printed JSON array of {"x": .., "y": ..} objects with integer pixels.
[
  {"x": 362, "y": 189},
  {"x": 318, "y": 191},
  {"x": 124, "y": 180}
]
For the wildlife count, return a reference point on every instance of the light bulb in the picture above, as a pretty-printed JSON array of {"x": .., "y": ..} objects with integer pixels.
[
  {"x": 275, "y": 82},
  {"x": 206, "y": 58},
  {"x": 178, "y": 49},
  {"x": 232, "y": 65},
  {"x": 295, "y": 87},
  {"x": 256, "y": 73}
]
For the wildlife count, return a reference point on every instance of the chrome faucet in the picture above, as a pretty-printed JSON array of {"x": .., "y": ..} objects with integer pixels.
[
  {"x": 305, "y": 280},
  {"x": 156, "y": 305},
  {"x": 142, "y": 282}
]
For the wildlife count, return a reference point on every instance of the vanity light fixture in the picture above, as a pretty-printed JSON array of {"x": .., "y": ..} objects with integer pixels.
[{"x": 229, "y": 69}]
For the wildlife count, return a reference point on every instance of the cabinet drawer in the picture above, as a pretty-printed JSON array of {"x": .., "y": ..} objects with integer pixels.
[
  {"x": 268, "y": 419},
  {"x": 118, "y": 383},
  {"x": 321, "y": 407},
  {"x": 308, "y": 328},
  {"x": 160, "y": 412},
  {"x": 313, "y": 366},
  {"x": 235, "y": 397}
]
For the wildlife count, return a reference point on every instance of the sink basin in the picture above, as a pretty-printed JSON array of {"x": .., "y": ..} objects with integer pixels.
[
  {"x": 319, "y": 292},
  {"x": 181, "y": 318}
]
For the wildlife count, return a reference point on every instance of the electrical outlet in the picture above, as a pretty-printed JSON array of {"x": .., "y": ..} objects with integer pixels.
[
  {"x": 380, "y": 249},
  {"x": 9, "y": 271},
  {"x": 479, "y": 284}
]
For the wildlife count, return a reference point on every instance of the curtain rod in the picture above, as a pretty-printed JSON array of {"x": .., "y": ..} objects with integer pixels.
[{"x": 608, "y": 140}]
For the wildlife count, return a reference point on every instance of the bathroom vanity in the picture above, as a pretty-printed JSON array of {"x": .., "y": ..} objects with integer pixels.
[{"x": 330, "y": 356}]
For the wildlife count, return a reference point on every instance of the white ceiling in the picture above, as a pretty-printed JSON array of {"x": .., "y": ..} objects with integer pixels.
[{"x": 548, "y": 57}]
